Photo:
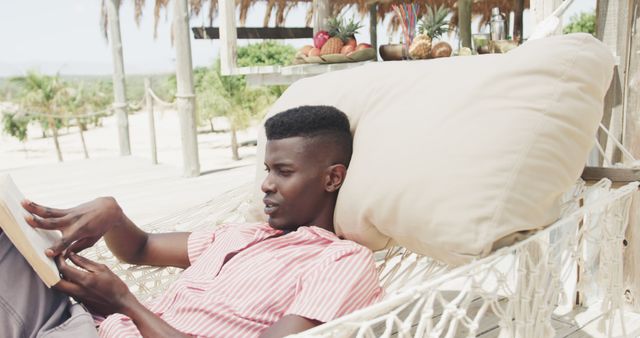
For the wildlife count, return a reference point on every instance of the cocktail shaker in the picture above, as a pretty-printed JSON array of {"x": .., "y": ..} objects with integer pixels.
[{"x": 497, "y": 25}]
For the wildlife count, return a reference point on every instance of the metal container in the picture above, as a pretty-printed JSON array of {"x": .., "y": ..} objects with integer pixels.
[
  {"x": 393, "y": 52},
  {"x": 497, "y": 25}
]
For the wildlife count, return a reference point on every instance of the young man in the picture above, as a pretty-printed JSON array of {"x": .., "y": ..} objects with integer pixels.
[{"x": 249, "y": 280}]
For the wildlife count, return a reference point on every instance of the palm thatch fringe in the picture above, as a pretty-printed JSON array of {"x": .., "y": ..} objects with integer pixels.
[{"x": 279, "y": 10}]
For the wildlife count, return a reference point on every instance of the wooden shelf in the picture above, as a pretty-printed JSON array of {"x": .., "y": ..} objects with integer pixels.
[
  {"x": 282, "y": 75},
  {"x": 269, "y": 33},
  {"x": 616, "y": 175}
]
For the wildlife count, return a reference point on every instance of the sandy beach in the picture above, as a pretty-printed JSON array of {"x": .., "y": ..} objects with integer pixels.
[{"x": 144, "y": 190}]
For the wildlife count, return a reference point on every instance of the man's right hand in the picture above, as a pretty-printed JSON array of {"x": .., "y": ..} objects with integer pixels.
[{"x": 81, "y": 226}]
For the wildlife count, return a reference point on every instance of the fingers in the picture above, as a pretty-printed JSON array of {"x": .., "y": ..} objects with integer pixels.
[
  {"x": 84, "y": 263},
  {"x": 69, "y": 288},
  {"x": 47, "y": 223},
  {"x": 70, "y": 273},
  {"x": 59, "y": 246},
  {"x": 41, "y": 210},
  {"x": 82, "y": 244}
]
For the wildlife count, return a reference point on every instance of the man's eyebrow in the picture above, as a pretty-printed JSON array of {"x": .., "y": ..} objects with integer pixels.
[{"x": 282, "y": 164}]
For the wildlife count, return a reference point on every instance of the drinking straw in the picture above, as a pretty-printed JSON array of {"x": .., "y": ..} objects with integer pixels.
[{"x": 401, "y": 14}]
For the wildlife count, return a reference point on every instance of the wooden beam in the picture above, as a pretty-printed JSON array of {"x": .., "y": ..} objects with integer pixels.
[
  {"x": 464, "y": 22},
  {"x": 119, "y": 95},
  {"x": 267, "y": 33},
  {"x": 631, "y": 81},
  {"x": 228, "y": 36},
  {"x": 321, "y": 12},
  {"x": 541, "y": 9},
  {"x": 518, "y": 20},
  {"x": 373, "y": 27},
  {"x": 185, "y": 97},
  {"x": 616, "y": 175},
  {"x": 611, "y": 29},
  {"x": 151, "y": 120},
  {"x": 631, "y": 112}
]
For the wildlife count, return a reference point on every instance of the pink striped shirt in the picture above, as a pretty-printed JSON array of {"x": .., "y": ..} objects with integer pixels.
[{"x": 309, "y": 272}]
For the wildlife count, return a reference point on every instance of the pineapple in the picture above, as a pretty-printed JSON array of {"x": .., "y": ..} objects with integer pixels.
[
  {"x": 336, "y": 42},
  {"x": 349, "y": 31},
  {"x": 334, "y": 26},
  {"x": 431, "y": 27},
  {"x": 332, "y": 46}
]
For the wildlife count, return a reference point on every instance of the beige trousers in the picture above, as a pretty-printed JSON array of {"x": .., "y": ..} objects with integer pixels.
[{"x": 28, "y": 308}]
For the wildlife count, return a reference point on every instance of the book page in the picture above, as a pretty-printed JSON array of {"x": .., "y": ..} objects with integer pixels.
[{"x": 37, "y": 239}]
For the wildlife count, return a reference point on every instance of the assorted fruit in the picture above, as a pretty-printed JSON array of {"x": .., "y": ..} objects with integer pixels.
[
  {"x": 338, "y": 43},
  {"x": 431, "y": 27},
  {"x": 338, "y": 39}
]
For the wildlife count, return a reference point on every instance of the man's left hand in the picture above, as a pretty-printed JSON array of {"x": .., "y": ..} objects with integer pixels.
[{"x": 98, "y": 288}]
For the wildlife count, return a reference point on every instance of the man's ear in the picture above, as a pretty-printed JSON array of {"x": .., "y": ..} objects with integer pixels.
[{"x": 334, "y": 177}]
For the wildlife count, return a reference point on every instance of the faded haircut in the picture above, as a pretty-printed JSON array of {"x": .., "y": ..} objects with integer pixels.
[{"x": 325, "y": 123}]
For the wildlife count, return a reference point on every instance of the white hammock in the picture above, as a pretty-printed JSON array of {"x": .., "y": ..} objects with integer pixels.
[{"x": 517, "y": 288}]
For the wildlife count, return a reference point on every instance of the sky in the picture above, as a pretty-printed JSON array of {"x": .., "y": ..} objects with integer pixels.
[{"x": 64, "y": 36}]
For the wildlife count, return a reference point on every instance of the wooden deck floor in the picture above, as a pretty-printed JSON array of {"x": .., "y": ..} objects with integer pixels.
[{"x": 146, "y": 192}]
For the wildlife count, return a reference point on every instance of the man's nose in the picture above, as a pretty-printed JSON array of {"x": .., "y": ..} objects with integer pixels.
[{"x": 267, "y": 185}]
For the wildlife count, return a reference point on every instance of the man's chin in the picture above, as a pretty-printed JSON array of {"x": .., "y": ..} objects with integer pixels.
[{"x": 279, "y": 225}]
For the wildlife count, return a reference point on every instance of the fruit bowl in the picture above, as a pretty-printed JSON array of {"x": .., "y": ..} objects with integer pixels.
[
  {"x": 357, "y": 56},
  {"x": 393, "y": 52}
]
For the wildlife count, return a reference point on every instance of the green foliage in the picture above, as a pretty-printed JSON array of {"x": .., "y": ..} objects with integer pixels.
[
  {"x": 16, "y": 127},
  {"x": 583, "y": 22},
  {"x": 81, "y": 99},
  {"x": 434, "y": 23},
  {"x": 41, "y": 95},
  {"x": 209, "y": 104},
  {"x": 229, "y": 95},
  {"x": 265, "y": 53}
]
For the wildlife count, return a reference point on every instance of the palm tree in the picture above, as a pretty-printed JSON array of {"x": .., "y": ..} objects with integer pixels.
[
  {"x": 43, "y": 94},
  {"x": 79, "y": 100},
  {"x": 231, "y": 97}
]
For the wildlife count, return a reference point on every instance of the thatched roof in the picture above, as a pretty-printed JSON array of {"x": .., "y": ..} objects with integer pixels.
[{"x": 279, "y": 9}]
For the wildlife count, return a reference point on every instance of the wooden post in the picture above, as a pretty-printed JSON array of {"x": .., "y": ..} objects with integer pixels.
[
  {"x": 373, "y": 26},
  {"x": 54, "y": 131},
  {"x": 631, "y": 102},
  {"x": 464, "y": 22},
  {"x": 185, "y": 97},
  {"x": 631, "y": 109},
  {"x": 120, "y": 99},
  {"x": 610, "y": 28},
  {"x": 81, "y": 127},
  {"x": 321, "y": 11},
  {"x": 541, "y": 9},
  {"x": 517, "y": 20},
  {"x": 152, "y": 124},
  {"x": 228, "y": 36}
]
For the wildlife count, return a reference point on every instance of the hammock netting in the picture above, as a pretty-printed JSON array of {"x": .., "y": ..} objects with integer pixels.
[{"x": 517, "y": 291}]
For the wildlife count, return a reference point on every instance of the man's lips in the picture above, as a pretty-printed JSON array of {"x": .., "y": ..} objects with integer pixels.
[{"x": 269, "y": 206}]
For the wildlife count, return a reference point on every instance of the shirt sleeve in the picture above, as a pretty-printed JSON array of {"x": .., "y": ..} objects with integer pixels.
[
  {"x": 346, "y": 282},
  {"x": 198, "y": 242}
]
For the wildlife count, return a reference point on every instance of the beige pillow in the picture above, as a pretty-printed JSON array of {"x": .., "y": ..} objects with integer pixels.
[{"x": 451, "y": 155}]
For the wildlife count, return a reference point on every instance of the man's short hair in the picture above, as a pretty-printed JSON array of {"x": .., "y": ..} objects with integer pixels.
[{"x": 322, "y": 122}]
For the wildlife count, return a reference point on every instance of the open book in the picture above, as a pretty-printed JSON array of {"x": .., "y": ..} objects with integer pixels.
[{"x": 29, "y": 241}]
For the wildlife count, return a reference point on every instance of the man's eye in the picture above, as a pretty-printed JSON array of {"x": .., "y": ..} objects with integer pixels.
[
  {"x": 266, "y": 169},
  {"x": 286, "y": 172}
]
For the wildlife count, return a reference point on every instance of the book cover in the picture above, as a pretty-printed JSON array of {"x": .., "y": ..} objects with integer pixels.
[{"x": 29, "y": 241}]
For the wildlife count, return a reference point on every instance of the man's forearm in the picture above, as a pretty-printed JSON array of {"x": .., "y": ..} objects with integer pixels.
[
  {"x": 126, "y": 240},
  {"x": 148, "y": 323},
  {"x": 132, "y": 245}
]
